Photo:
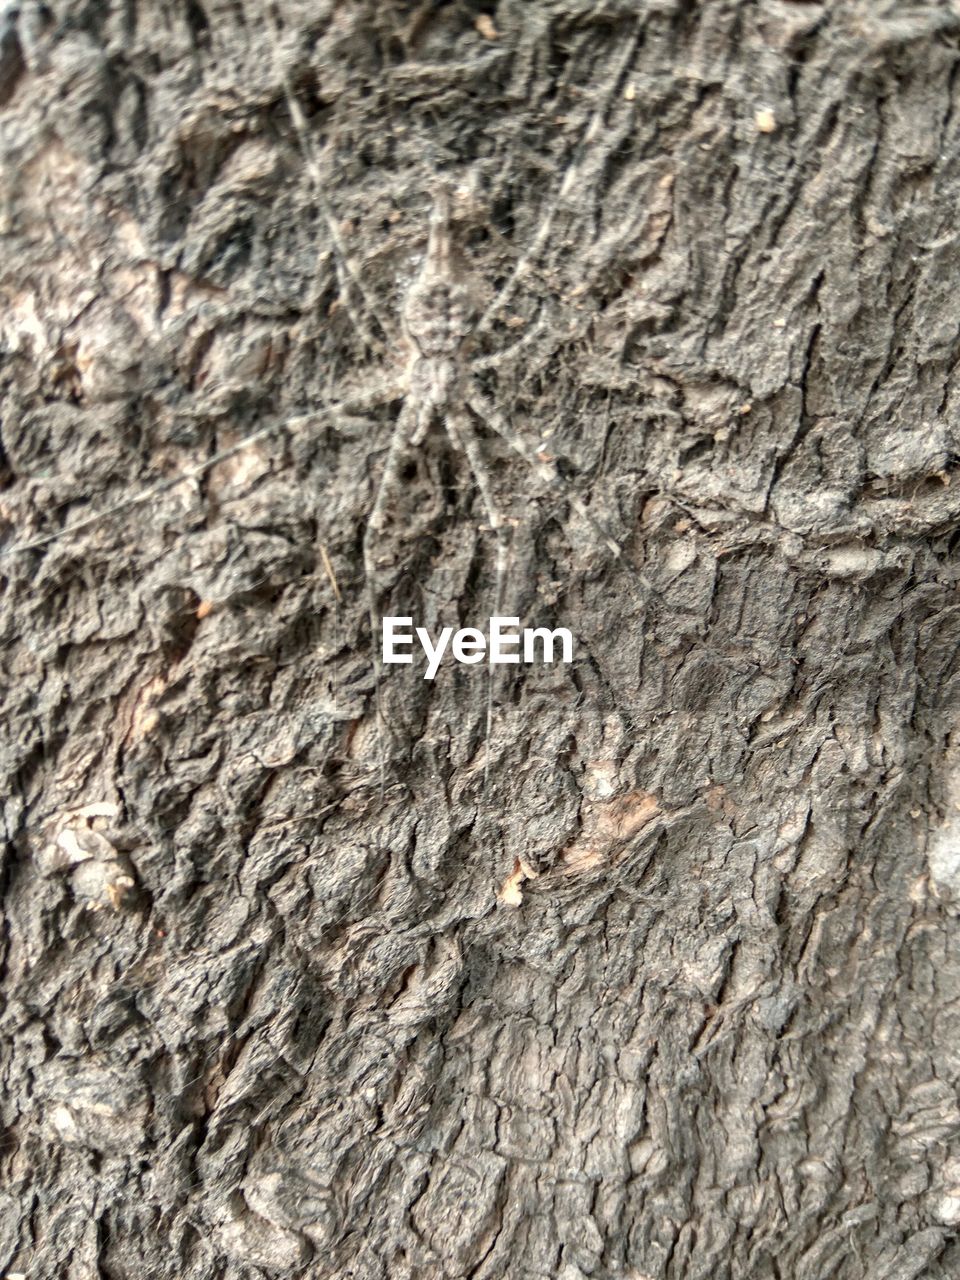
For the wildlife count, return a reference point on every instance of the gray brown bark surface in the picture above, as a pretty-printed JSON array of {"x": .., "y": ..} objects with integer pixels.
[{"x": 661, "y": 982}]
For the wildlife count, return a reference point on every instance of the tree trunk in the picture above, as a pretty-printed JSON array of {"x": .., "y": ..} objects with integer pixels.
[{"x": 642, "y": 965}]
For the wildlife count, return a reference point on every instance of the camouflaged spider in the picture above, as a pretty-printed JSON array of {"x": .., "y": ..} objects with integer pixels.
[{"x": 438, "y": 320}]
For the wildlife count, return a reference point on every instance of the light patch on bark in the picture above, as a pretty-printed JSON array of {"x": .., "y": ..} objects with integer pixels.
[{"x": 944, "y": 847}]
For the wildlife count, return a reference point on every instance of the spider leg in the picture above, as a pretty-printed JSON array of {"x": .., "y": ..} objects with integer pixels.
[
  {"x": 373, "y": 397},
  {"x": 161, "y": 486},
  {"x": 544, "y": 466},
  {"x": 461, "y": 432},
  {"x": 423, "y": 425},
  {"x": 408, "y": 424},
  {"x": 481, "y": 363},
  {"x": 572, "y": 179},
  {"x": 348, "y": 277}
]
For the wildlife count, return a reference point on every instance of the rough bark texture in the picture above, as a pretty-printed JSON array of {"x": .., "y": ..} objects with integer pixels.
[{"x": 662, "y": 980}]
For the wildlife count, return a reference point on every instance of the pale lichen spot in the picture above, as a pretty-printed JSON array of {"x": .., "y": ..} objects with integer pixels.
[{"x": 511, "y": 892}]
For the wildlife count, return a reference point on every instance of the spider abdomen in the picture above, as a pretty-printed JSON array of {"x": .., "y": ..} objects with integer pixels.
[{"x": 438, "y": 317}]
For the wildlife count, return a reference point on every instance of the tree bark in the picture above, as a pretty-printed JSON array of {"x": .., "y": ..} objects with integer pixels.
[{"x": 643, "y": 965}]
